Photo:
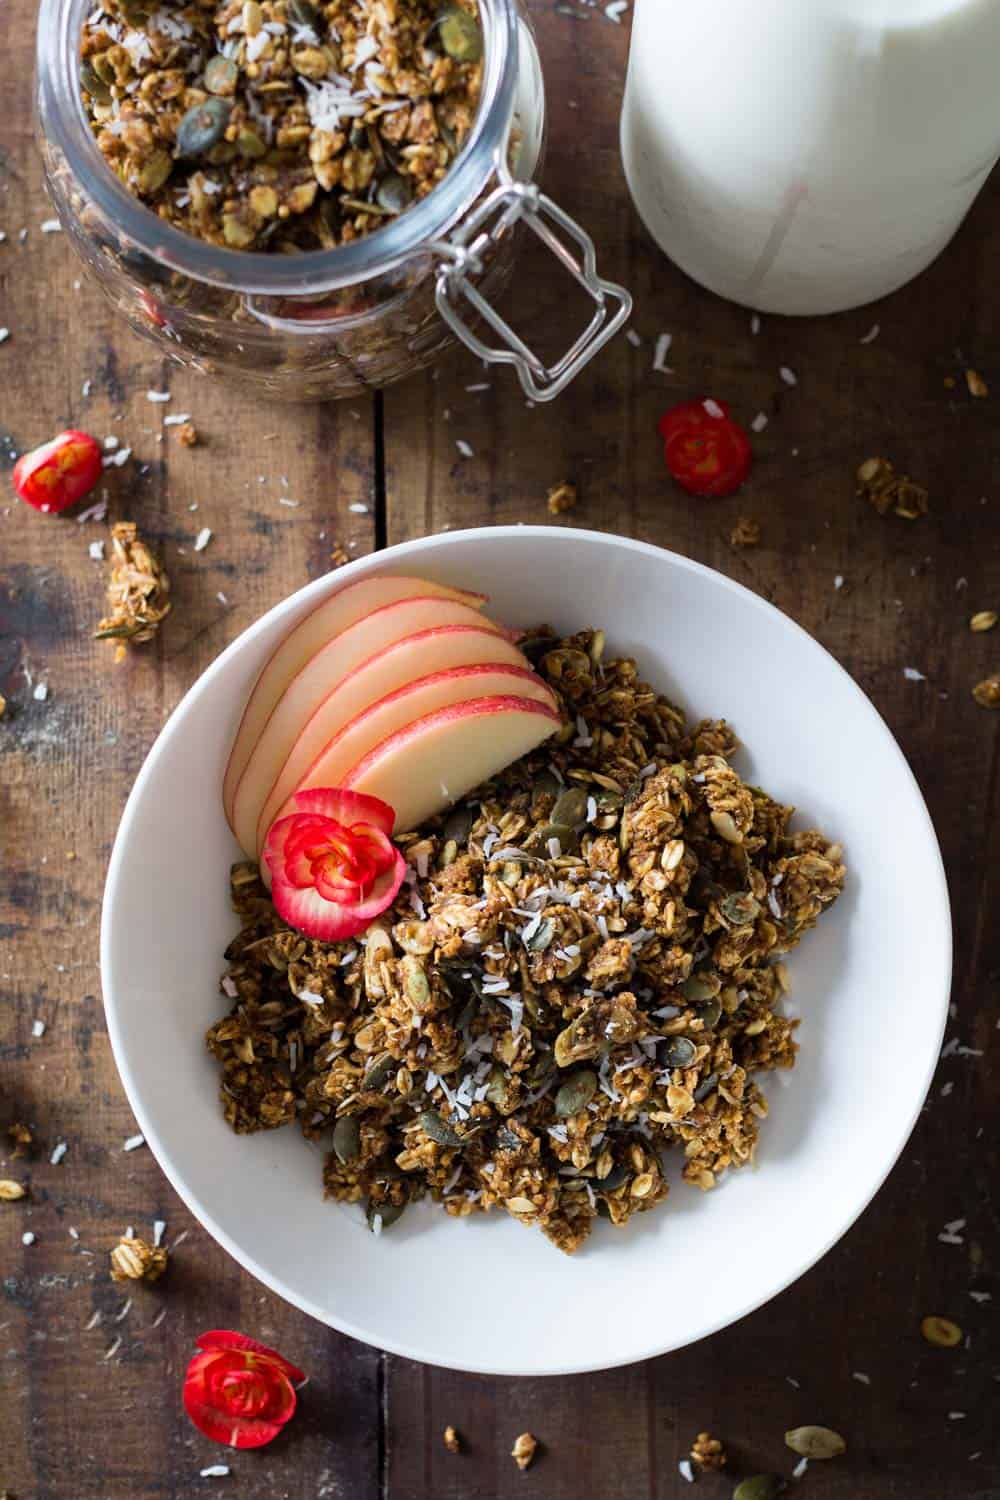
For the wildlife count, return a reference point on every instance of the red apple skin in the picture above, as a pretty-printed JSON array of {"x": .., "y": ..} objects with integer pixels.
[
  {"x": 463, "y": 679},
  {"x": 253, "y": 720},
  {"x": 447, "y": 646}
]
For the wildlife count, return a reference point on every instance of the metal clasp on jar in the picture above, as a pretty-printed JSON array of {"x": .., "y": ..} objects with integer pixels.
[{"x": 462, "y": 256}]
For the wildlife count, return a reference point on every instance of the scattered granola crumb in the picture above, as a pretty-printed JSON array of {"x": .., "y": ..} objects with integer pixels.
[
  {"x": 987, "y": 692},
  {"x": 633, "y": 338},
  {"x": 22, "y": 1138},
  {"x": 134, "y": 1142},
  {"x": 40, "y": 692},
  {"x": 941, "y": 1332},
  {"x": 686, "y": 1471},
  {"x": 137, "y": 591},
  {"x": 134, "y": 1259},
  {"x": 188, "y": 435},
  {"x": 157, "y": 396},
  {"x": 452, "y": 1441},
  {"x": 339, "y": 556},
  {"x": 11, "y": 1191},
  {"x": 746, "y": 533},
  {"x": 464, "y": 448},
  {"x": 976, "y": 384},
  {"x": 58, "y": 1153},
  {"x": 203, "y": 538},
  {"x": 759, "y": 422},
  {"x": 96, "y": 551},
  {"x": 4, "y": 335},
  {"x": 707, "y": 1452},
  {"x": 788, "y": 376},
  {"x": 861, "y": 1377},
  {"x": 3, "y": 705},
  {"x": 886, "y": 490},
  {"x": 27, "y": 1238},
  {"x": 984, "y": 620},
  {"x": 660, "y": 354},
  {"x": 50, "y": 226},
  {"x": 838, "y": 582},
  {"x": 561, "y": 497},
  {"x": 523, "y": 1450},
  {"x": 38, "y": 1028},
  {"x": 755, "y": 325},
  {"x": 361, "y": 509},
  {"x": 871, "y": 335},
  {"x": 913, "y": 675},
  {"x": 803, "y": 1463},
  {"x": 214, "y": 1471}
]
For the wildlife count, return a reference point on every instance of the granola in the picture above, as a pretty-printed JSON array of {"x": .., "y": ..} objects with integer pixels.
[
  {"x": 137, "y": 591},
  {"x": 135, "y": 1259},
  {"x": 284, "y": 125},
  {"x": 885, "y": 490},
  {"x": 581, "y": 972}
]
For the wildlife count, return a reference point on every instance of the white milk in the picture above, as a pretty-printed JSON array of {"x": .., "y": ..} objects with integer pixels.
[{"x": 806, "y": 156}]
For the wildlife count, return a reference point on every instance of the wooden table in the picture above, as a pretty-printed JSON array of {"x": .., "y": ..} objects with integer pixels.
[{"x": 89, "y": 1387}]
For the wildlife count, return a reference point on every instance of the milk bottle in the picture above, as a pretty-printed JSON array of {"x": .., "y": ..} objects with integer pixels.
[{"x": 806, "y": 156}]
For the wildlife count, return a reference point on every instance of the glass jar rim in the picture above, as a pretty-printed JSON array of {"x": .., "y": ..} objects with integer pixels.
[{"x": 314, "y": 271}]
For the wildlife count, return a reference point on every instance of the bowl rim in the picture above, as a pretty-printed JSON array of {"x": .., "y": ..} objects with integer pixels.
[{"x": 329, "y": 583}]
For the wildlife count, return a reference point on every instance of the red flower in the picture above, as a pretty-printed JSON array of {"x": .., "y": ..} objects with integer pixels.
[
  {"x": 60, "y": 472},
  {"x": 705, "y": 450},
  {"x": 333, "y": 865},
  {"x": 238, "y": 1391}
]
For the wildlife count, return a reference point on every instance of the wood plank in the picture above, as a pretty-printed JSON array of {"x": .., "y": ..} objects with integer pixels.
[{"x": 901, "y": 602}]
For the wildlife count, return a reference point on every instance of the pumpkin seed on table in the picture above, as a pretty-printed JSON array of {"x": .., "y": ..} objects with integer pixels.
[
  {"x": 815, "y": 1442},
  {"x": 941, "y": 1332},
  {"x": 386, "y": 1213},
  {"x": 759, "y": 1487}
]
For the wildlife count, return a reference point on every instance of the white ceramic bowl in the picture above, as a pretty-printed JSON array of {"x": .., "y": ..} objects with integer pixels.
[{"x": 485, "y": 1294}]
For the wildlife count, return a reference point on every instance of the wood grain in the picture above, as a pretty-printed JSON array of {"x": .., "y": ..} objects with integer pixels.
[{"x": 76, "y": 1419}]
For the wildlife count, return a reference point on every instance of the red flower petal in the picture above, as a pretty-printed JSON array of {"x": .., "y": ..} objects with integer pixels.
[
  {"x": 329, "y": 921},
  {"x": 225, "y": 1338},
  {"x": 347, "y": 808}
]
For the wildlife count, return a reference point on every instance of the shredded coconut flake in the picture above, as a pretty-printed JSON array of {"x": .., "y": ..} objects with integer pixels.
[
  {"x": 685, "y": 1470},
  {"x": 157, "y": 396},
  {"x": 759, "y": 422},
  {"x": 788, "y": 376},
  {"x": 58, "y": 1153},
  {"x": 38, "y": 1028},
  {"x": 203, "y": 538},
  {"x": 912, "y": 675},
  {"x": 871, "y": 335},
  {"x": 660, "y": 353},
  {"x": 464, "y": 448},
  {"x": 134, "y": 1142}
]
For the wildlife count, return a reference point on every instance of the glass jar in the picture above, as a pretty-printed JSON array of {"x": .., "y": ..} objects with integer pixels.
[{"x": 332, "y": 323}]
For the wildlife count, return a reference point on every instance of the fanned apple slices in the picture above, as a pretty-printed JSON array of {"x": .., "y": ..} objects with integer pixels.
[{"x": 394, "y": 686}]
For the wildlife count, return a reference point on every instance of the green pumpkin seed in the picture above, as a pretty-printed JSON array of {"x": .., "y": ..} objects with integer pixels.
[
  {"x": 460, "y": 35},
  {"x": 679, "y": 1052},
  {"x": 458, "y": 824},
  {"x": 379, "y": 1072},
  {"x": 741, "y": 909},
  {"x": 699, "y": 987},
  {"x": 347, "y": 1138},
  {"x": 571, "y": 807},
  {"x": 535, "y": 646},
  {"x": 438, "y": 1130},
  {"x": 546, "y": 784},
  {"x": 815, "y": 1442},
  {"x": 541, "y": 937},
  {"x": 709, "y": 1014},
  {"x": 155, "y": 170},
  {"x": 576, "y": 1093},
  {"x": 220, "y": 75},
  {"x": 94, "y": 85},
  {"x": 203, "y": 127},
  {"x": 760, "y": 1487},
  {"x": 303, "y": 13},
  {"x": 386, "y": 1213},
  {"x": 569, "y": 841},
  {"x": 615, "y": 1178},
  {"x": 394, "y": 193},
  {"x": 706, "y": 1087}
]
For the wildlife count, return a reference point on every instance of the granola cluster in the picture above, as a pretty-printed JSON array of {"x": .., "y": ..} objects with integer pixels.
[
  {"x": 582, "y": 971},
  {"x": 284, "y": 125},
  {"x": 138, "y": 591}
]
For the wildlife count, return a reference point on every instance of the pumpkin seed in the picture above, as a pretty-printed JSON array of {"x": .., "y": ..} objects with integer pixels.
[
  {"x": 815, "y": 1442},
  {"x": 709, "y": 1014},
  {"x": 679, "y": 1052},
  {"x": 547, "y": 784},
  {"x": 460, "y": 35},
  {"x": 571, "y": 807},
  {"x": 699, "y": 987},
  {"x": 740, "y": 909},
  {"x": 415, "y": 982},
  {"x": 303, "y": 13},
  {"x": 760, "y": 1487},
  {"x": 941, "y": 1332},
  {"x": 458, "y": 823},
  {"x": 347, "y": 1138},
  {"x": 521, "y": 1206},
  {"x": 535, "y": 646},
  {"x": 379, "y": 1072},
  {"x": 94, "y": 85},
  {"x": 705, "y": 1087},
  {"x": 615, "y": 1178},
  {"x": 203, "y": 127},
  {"x": 725, "y": 826},
  {"x": 597, "y": 645},
  {"x": 220, "y": 75},
  {"x": 386, "y": 1213},
  {"x": 394, "y": 193},
  {"x": 541, "y": 937},
  {"x": 155, "y": 170},
  {"x": 569, "y": 841},
  {"x": 576, "y": 1093},
  {"x": 438, "y": 1130}
]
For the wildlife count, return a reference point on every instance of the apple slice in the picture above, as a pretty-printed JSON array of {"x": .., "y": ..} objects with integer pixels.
[
  {"x": 425, "y": 767},
  {"x": 311, "y": 684},
  {"x": 397, "y": 710},
  {"x": 328, "y": 619},
  {"x": 422, "y": 654}
]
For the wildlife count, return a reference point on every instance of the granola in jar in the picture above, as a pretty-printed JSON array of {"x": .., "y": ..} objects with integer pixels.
[
  {"x": 583, "y": 970},
  {"x": 284, "y": 125}
]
